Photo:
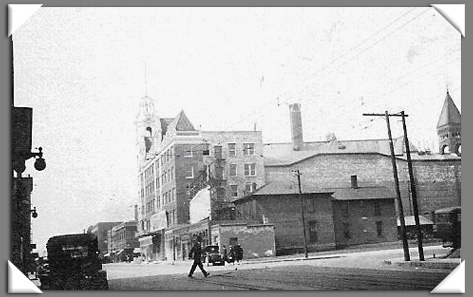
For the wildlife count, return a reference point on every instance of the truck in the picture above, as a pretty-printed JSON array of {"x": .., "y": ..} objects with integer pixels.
[{"x": 74, "y": 264}]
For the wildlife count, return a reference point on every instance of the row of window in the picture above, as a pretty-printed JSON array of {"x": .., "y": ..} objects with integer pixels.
[
  {"x": 248, "y": 149},
  {"x": 167, "y": 176},
  {"x": 248, "y": 188},
  {"x": 171, "y": 217},
  {"x": 454, "y": 134},
  {"x": 166, "y": 198},
  {"x": 148, "y": 172},
  {"x": 162, "y": 160},
  {"x": 167, "y": 156},
  {"x": 121, "y": 235},
  {"x": 249, "y": 169}
]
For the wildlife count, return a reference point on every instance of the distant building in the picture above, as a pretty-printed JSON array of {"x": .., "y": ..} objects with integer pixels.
[
  {"x": 100, "y": 230},
  {"x": 123, "y": 241}
]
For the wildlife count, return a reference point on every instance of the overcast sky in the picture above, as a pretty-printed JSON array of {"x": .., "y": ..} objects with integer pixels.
[{"x": 82, "y": 70}]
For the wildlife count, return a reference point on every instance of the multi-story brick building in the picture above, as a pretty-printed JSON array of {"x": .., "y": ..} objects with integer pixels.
[
  {"x": 123, "y": 241},
  {"x": 172, "y": 155}
]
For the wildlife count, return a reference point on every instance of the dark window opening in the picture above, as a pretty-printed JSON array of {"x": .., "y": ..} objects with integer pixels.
[{"x": 313, "y": 231}]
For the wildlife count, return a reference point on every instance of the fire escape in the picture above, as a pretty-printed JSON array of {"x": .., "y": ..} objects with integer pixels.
[{"x": 211, "y": 176}]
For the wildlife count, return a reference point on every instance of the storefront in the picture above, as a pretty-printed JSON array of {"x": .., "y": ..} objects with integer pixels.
[
  {"x": 179, "y": 240},
  {"x": 150, "y": 246}
]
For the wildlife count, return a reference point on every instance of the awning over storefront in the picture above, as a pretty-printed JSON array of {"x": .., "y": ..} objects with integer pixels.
[
  {"x": 410, "y": 221},
  {"x": 145, "y": 241}
]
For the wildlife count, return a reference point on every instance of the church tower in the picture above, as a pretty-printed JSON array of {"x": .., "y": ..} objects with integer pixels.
[
  {"x": 148, "y": 129},
  {"x": 449, "y": 128}
]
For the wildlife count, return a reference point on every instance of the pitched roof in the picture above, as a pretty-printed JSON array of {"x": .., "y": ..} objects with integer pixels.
[
  {"x": 450, "y": 115},
  {"x": 375, "y": 192},
  {"x": 281, "y": 154},
  {"x": 284, "y": 188},
  {"x": 342, "y": 193},
  {"x": 181, "y": 123}
]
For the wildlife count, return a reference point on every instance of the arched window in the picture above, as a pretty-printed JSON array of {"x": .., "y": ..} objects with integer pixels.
[
  {"x": 445, "y": 150},
  {"x": 149, "y": 132}
]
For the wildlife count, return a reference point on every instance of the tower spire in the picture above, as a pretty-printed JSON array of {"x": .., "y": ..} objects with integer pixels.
[{"x": 146, "y": 83}]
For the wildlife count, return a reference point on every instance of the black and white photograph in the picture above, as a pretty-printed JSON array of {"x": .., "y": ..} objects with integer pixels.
[{"x": 236, "y": 148}]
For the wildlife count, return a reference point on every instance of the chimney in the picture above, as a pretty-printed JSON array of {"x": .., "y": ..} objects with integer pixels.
[
  {"x": 354, "y": 182},
  {"x": 296, "y": 126},
  {"x": 136, "y": 212}
]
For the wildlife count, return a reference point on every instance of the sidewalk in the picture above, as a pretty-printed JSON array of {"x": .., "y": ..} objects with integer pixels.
[
  {"x": 353, "y": 255},
  {"x": 432, "y": 263}
]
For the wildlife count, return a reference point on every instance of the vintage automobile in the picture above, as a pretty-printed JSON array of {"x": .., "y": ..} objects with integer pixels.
[
  {"x": 211, "y": 255},
  {"x": 74, "y": 264},
  {"x": 448, "y": 226}
]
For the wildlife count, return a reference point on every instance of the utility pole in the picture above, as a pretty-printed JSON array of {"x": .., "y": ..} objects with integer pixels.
[
  {"x": 413, "y": 189},
  {"x": 298, "y": 173},
  {"x": 405, "y": 244}
]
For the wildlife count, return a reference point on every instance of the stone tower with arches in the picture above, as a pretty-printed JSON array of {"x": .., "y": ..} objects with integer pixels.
[
  {"x": 449, "y": 128},
  {"x": 148, "y": 129}
]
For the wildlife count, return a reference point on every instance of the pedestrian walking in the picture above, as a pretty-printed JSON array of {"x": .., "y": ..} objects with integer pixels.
[
  {"x": 231, "y": 256},
  {"x": 196, "y": 254},
  {"x": 238, "y": 250},
  {"x": 224, "y": 254}
]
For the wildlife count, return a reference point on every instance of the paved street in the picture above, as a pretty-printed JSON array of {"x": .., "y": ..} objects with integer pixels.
[{"x": 329, "y": 271}]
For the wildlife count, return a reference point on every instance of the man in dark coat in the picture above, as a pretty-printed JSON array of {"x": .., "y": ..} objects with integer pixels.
[
  {"x": 224, "y": 254},
  {"x": 238, "y": 253},
  {"x": 196, "y": 254}
]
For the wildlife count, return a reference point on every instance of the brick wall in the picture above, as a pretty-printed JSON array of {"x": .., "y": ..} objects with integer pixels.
[
  {"x": 438, "y": 181},
  {"x": 284, "y": 212},
  {"x": 223, "y": 138},
  {"x": 361, "y": 218}
]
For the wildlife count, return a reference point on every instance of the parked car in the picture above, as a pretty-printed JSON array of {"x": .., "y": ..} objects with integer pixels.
[
  {"x": 43, "y": 273},
  {"x": 74, "y": 264},
  {"x": 211, "y": 255},
  {"x": 448, "y": 226}
]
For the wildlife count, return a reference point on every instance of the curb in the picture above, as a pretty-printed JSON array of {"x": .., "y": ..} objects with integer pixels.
[{"x": 450, "y": 265}]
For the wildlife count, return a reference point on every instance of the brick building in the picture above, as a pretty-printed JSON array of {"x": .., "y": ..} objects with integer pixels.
[
  {"x": 123, "y": 241},
  {"x": 334, "y": 218},
  {"x": 326, "y": 164},
  {"x": 101, "y": 230},
  {"x": 173, "y": 158}
]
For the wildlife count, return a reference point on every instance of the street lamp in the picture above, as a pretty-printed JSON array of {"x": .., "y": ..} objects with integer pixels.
[
  {"x": 34, "y": 214},
  {"x": 20, "y": 156}
]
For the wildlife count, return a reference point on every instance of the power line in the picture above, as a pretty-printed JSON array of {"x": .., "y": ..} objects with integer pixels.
[
  {"x": 364, "y": 41},
  {"x": 377, "y": 42}
]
